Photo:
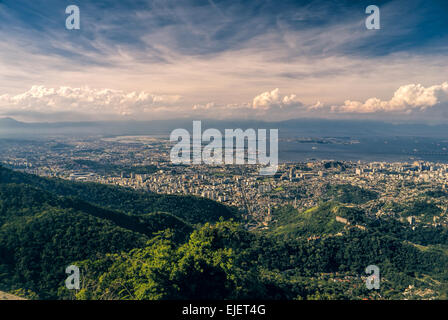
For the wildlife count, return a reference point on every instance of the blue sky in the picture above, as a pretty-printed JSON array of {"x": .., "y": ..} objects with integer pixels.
[{"x": 223, "y": 59}]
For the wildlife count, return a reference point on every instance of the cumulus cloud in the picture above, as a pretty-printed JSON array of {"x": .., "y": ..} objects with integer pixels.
[
  {"x": 269, "y": 105},
  {"x": 83, "y": 100},
  {"x": 406, "y": 99},
  {"x": 206, "y": 106},
  {"x": 273, "y": 105},
  {"x": 273, "y": 99},
  {"x": 85, "y": 103}
]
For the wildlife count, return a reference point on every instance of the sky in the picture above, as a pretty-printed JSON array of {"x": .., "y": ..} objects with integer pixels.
[{"x": 265, "y": 60}]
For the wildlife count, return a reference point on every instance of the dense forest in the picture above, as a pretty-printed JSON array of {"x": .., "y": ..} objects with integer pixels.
[{"x": 135, "y": 245}]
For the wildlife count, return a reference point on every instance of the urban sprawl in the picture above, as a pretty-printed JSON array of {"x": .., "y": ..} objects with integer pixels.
[{"x": 143, "y": 163}]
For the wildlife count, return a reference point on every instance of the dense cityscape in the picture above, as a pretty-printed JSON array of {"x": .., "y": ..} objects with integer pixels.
[{"x": 143, "y": 163}]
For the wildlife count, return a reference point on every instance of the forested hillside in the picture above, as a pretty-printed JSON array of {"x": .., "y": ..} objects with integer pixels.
[
  {"x": 46, "y": 224},
  {"x": 135, "y": 245},
  {"x": 189, "y": 208}
]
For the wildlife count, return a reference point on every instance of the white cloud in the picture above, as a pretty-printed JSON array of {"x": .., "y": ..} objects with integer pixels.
[
  {"x": 71, "y": 103},
  {"x": 206, "y": 106},
  {"x": 273, "y": 99},
  {"x": 406, "y": 99},
  {"x": 269, "y": 105},
  {"x": 84, "y": 100}
]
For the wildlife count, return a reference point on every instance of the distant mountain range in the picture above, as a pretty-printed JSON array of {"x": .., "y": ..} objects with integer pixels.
[{"x": 10, "y": 128}]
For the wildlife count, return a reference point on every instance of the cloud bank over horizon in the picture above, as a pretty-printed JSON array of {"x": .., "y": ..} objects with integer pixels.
[
  {"x": 67, "y": 103},
  {"x": 406, "y": 99}
]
